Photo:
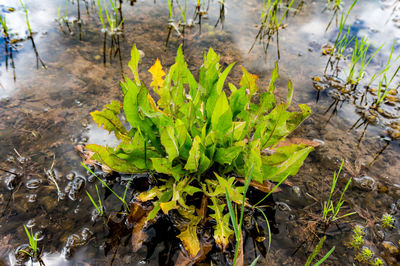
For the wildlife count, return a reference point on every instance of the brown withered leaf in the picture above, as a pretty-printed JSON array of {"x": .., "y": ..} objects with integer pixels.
[
  {"x": 185, "y": 259},
  {"x": 85, "y": 155},
  {"x": 265, "y": 187},
  {"x": 202, "y": 212},
  {"x": 138, "y": 217}
]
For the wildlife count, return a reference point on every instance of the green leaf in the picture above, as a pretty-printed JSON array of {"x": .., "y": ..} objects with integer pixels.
[
  {"x": 163, "y": 165},
  {"x": 275, "y": 169},
  {"x": 222, "y": 77},
  {"x": 227, "y": 155},
  {"x": 134, "y": 62},
  {"x": 106, "y": 156},
  {"x": 237, "y": 131},
  {"x": 221, "y": 120},
  {"x": 109, "y": 119},
  {"x": 169, "y": 142},
  {"x": 192, "y": 163},
  {"x": 274, "y": 77}
]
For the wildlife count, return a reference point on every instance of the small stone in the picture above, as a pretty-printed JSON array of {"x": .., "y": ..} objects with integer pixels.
[{"x": 390, "y": 248}]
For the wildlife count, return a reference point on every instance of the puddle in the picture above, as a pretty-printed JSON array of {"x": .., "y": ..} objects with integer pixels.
[{"x": 45, "y": 113}]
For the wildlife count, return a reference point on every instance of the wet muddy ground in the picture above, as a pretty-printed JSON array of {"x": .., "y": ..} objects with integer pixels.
[{"x": 45, "y": 113}]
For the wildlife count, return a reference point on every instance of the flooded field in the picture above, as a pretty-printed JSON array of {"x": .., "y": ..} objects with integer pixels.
[{"x": 52, "y": 79}]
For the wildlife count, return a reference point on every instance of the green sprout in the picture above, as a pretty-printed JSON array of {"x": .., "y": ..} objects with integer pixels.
[
  {"x": 378, "y": 262},
  {"x": 387, "y": 220},
  {"x": 365, "y": 255}
]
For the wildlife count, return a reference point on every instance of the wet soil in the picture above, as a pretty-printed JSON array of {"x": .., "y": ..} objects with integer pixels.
[{"x": 45, "y": 113}]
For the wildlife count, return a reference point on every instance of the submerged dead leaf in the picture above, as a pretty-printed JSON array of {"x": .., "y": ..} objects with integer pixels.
[{"x": 138, "y": 217}]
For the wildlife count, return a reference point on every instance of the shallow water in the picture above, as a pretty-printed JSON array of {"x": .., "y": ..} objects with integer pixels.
[{"x": 45, "y": 113}]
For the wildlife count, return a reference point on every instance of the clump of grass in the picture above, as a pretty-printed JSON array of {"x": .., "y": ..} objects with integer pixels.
[
  {"x": 331, "y": 212},
  {"x": 387, "y": 220},
  {"x": 359, "y": 61},
  {"x": 342, "y": 40},
  {"x": 271, "y": 23},
  {"x": 112, "y": 28},
  {"x": 181, "y": 24}
]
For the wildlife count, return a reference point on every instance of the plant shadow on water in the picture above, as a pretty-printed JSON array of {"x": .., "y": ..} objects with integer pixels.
[{"x": 46, "y": 113}]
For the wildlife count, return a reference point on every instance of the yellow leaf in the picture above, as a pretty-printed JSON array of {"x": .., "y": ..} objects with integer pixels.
[
  {"x": 249, "y": 81},
  {"x": 188, "y": 235},
  {"x": 153, "y": 104},
  {"x": 158, "y": 73}
]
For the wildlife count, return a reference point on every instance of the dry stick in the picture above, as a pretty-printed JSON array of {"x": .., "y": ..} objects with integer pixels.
[
  {"x": 362, "y": 135},
  {"x": 379, "y": 153}
]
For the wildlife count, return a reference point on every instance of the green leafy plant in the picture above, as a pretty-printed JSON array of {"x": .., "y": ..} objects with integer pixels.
[
  {"x": 365, "y": 255},
  {"x": 387, "y": 220},
  {"x": 331, "y": 212},
  {"x": 197, "y": 137}
]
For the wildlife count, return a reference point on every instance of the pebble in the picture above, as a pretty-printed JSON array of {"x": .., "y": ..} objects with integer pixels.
[{"x": 70, "y": 176}]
